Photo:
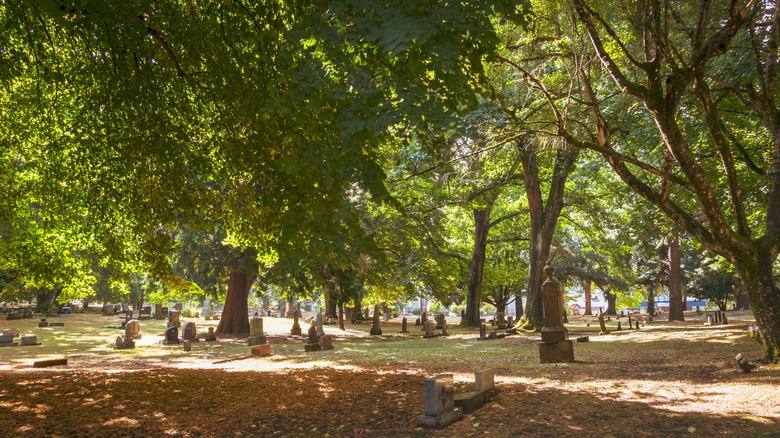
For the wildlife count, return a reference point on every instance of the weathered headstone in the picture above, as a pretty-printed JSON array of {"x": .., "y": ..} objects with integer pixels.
[
  {"x": 207, "y": 311},
  {"x": 439, "y": 318},
  {"x": 417, "y": 322},
  {"x": 429, "y": 327},
  {"x": 510, "y": 322},
  {"x": 482, "y": 331},
  {"x": 56, "y": 324},
  {"x": 173, "y": 318},
  {"x": 29, "y": 340},
  {"x": 583, "y": 339},
  {"x": 133, "y": 329},
  {"x": 261, "y": 350},
  {"x": 555, "y": 345},
  {"x": 43, "y": 323},
  {"x": 320, "y": 328},
  {"x": 123, "y": 343},
  {"x": 312, "y": 345},
  {"x": 743, "y": 363},
  {"x": 189, "y": 332},
  {"x": 462, "y": 316},
  {"x": 171, "y": 335},
  {"x": 12, "y": 332},
  {"x": 440, "y": 410},
  {"x": 500, "y": 321},
  {"x": 49, "y": 363},
  {"x": 108, "y": 310},
  {"x": 256, "y": 335},
  {"x": 7, "y": 341},
  {"x": 602, "y": 325},
  {"x": 404, "y": 326},
  {"x": 444, "y": 328},
  {"x": 326, "y": 342},
  {"x": 210, "y": 336},
  {"x": 187, "y": 343},
  {"x": 375, "y": 328},
  {"x": 158, "y": 311},
  {"x": 296, "y": 328}
]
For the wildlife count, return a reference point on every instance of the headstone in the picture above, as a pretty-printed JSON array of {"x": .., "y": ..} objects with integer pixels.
[
  {"x": 43, "y": 323},
  {"x": 296, "y": 328},
  {"x": 485, "y": 391},
  {"x": 11, "y": 331},
  {"x": 56, "y": 324},
  {"x": 439, "y": 318},
  {"x": 320, "y": 328},
  {"x": 189, "y": 332},
  {"x": 256, "y": 335},
  {"x": 424, "y": 317},
  {"x": 171, "y": 335},
  {"x": 7, "y": 341},
  {"x": 417, "y": 322},
  {"x": 210, "y": 337},
  {"x": 187, "y": 343},
  {"x": 133, "y": 329},
  {"x": 49, "y": 363},
  {"x": 583, "y": 339},
  {"x": 312, "y": 345},
  {"x": 482, "y": 331},
  {"x": 207, "y": 311},
  {"x": 124, "y": 343},
  {"x": 326, "y": 342},
  {"x": 108, "y": 310},
  {"x": 555, "y": 345},
  {"x": 602, "y": 325},
  {"x": 403, "y": 326},
  {"x": 158, "y": 311},
  {"x": 440, "y": 410},
  {"x": 444, "y": 328},
  {"x": 375, "y": 329},
  {"x": 429, "y": 328},
  {"x": 462, "y": 316},
  {"x": 173, "y": 318},
  {"x": 510, "y": 321},
  {"x": 743, "y": 363},
  {"x": 261, "y": 350}
]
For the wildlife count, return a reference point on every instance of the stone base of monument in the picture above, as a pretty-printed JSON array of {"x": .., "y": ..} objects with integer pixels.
[
  {"x": 440, "y": 421},
  {"x": 261, "y": 350},
  {"x": 375, "y": 331},
  {"x": 558, "y": 351},
  {"x": 255, "y": 340},
  {"x": 315, "y": 346},
  {"x": 295, "y": 331}
]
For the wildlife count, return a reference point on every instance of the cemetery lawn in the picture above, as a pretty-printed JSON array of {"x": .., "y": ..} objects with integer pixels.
[{"x": 667, "y": 379}]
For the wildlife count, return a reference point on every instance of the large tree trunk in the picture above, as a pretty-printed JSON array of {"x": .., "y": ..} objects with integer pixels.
[
  {"x": 341, "y": 317},
  {"x": 588, "y": 310},
  {"x": 611, "y": 301},
  {"x": 544, "y": 219},
  {"x": 235, "y": 315},
  {"x": 764, "y": 300},
  {"x": 675, "y": 282},
  {"x": 477, "y": 265},
  {"x": 518, "y": 306}
]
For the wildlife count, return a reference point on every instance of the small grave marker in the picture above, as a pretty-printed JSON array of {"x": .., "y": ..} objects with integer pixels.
[{"x": 440, "y": 410}]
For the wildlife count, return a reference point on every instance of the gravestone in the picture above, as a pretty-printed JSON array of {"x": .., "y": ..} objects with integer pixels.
[
  {"x": 440, "y": 410},
  {"x": 189, "y": 332},
  {"x": 312, "y": 345},
  {"x": 43, "y": 323},
  {"x": 123, "y": 343},
  {"x": 444, "y": 328},
  {"x": 482, "y": 331},
  {"x": 602, "y": 325},
  {"x": 11, "y": 331},
  {"x": 173, "y": 318},
  {"x": 743, "y": 363},
  {"x": 210, "y": 337},
  {"x": 108, "y": 310},
  {"x": 133, "y": 329},
  {"x": 158, "y": 311},
  {"x": 583, "y": 339},
  {"x": 510, "y": 322},
  {"x": 555, "y": 345},
  {"x": 7, "y": 341},
  {"x": 171, "y": 335},
  {"x": 261, "y": 350},
  {"x": 320, "y": 328},
  {"x": 326, "y": 342},
  {"x": 462, "y": 316},
  {"x": 429, "y": 327},
  {"x": 207, "y": 311},
  {"x": 485, "y": 392},
  {"x": 256, "y": 335},
  {"x": 29, "y": 340},
  {"x": 424, "y": 317},
  {"x": 296, "y": 328},
  {"x": 56, "y": 324},
  {"x": 439, "y": 318},
  {"x": 187, "y": 343},
  {"x": 417, "y": 322},
  {"x": 403, "y": 326},
  {"x": 375, "y": 329}
]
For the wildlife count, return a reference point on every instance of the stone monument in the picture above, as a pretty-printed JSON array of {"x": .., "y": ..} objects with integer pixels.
[
  {"x": 320, "y": 328},
  {"x": 375, "y": 329},
  {"x": 404, "y": 326},
  {"x": 171, "y": 335},
  {"x": 555, "y": 345},
  {"x": 256, "y": 335},
  {"x": 296, "y": 328},
  {"x": 312, "y": 344},
  {"x": 440, "y": 410}
]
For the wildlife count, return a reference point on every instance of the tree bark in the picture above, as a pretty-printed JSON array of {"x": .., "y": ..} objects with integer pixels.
[
  {"x": 611, "y": 300},
  {"x": 235, "y": 315},
  {"x": 765, "y": 303},
  {"x": 675, "y": 282},
  {"x": 651, "y": 299},
  {"x": 518, "y": 306},
  {"x": 477, "y": 265},
  {"x": 341, "y": 317},
  {"x": 588, "y": 310},
  {"x": 544, "y": 219}
]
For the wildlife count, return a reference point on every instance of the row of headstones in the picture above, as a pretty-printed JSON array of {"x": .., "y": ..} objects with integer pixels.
[
  {"x": 171, "y": 335},
  {"x": 716, "y": 318},
  {"x": 7, "y": 338},
  {"x": 484, "y": 335},
  {"x": 443, "y": 408},
  {"x": 603, "y": 325},
  {"x": 22, "y": 313}
]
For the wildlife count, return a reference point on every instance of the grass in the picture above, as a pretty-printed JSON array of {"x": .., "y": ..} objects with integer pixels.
[{"x": 667, "y": 379}]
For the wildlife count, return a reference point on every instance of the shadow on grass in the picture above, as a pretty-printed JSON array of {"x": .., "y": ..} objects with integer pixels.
[{"x": 341, "y": 402}]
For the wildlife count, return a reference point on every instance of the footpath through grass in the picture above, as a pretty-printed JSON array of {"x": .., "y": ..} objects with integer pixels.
[{"x": 667, "y": 379}]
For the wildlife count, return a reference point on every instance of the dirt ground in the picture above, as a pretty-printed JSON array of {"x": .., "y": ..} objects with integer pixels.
[{"x": 666, "y": 379}]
